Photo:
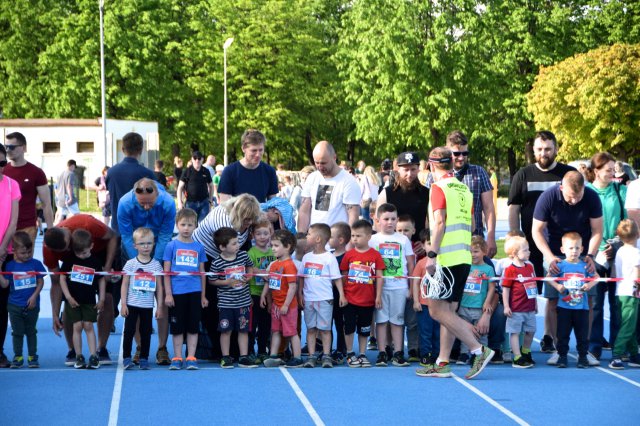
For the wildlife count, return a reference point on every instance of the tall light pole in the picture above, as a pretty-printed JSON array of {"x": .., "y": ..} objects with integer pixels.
[
  {"x": 225, "y": 46},
  {"x": 103, "y": 96}
]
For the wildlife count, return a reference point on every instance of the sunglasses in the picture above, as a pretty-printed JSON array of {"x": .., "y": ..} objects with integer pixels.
[
  {"x": 11, "y": 147},
  {"x": 196, "y": 158},
  {"x": 460, "y": 153},
  {"x": 148, "y": 190},
  {"x": 3, "y": 163}
]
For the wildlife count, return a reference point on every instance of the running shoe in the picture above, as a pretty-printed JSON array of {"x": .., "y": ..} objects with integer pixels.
[
  {"x": 327, "y": 362},
  {"x": 353, "y": 361},
  {"x": 480, "y": 362},
  {"x": 80, "y": 362},
  {"x": 373, "y": 344},
  {"x": 4, "y": 361},
  {"x": 226, "y": 362},
  {"x": 546, "y": 344},
  {"x": 103, "y": 356},
  {"x": 463, "y": 359},
  {"x": 616, "y": 364},
  {"x": 426, "y": 361},
  {"x": 246, "y": 362},
  {"x": 273, "y": 361},
  {"x": 337, "y": 357},
  {"x": 70, "y": 359},
  {"x": 562, "y": 362},
  {"x": 94, "y": 362},
  {"x": 634, "y": 361},
  {"x": 553, "y": 359},
  {"x": 382, "y": 359},
  {"x": 192, "y": 363},
  {"x": 144, "y": 364},
  {"x": 260, "y": 358},
  {"x": 162, "y": 356},
  {"x": 593, "y": 362},
  {"x": 311, "y": 362},
  {"x": 497, "y": 358},
  {"x": 398, "y": 360},
  {"x": 127, "y": 363},
  {"x": 528, "y": 357},
  {"x": 413, "y": 356},
  {"x": 17, "y": 362},
  {"x": 521, "y": 362},
  {"x": 32, "y": 361},
  {"x": 606, "y": 346},
  {"x": 364, "y": 361},
  {"x": 294, "y": 363},
  {"x": 440, "y": 371},
  {"x": 583, "y": 362},
  {"x": 176, "y": 364}
]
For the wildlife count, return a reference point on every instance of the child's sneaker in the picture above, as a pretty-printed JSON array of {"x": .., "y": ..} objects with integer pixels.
[
  {"x": 372, "y": 345},
  {"x": 398, "y": 360},
  {"x": 562, "y": 362},
  {"x": 364, "y": 361},
  {"x": 480, "y": 362},
  {"x": 17, "y": 362},
  {"x": 260, "y": 358},
  {"x": 70, "y": 359},
  {"x": 162, "y": 356},
  {"x": 136, "y": 357},
  {"x": 463, "y": 359},
  {"x": 337, "y": 357},
  {"x": 226, "y": 362},
  {"x": 327, "y": 362},
  {"x": 272, "y": 361},
  {"x": 592, "y": 360},
  {"x": 103, "y": 356},
  {"x": 413, "y": 356},
  {"x": 497, "y": 358},
  {"x": 127, "y": 363},
  {"x": 528, "y": 357},
  {"x": 192, "y": 363},
  {"x": 33, "y": 362},
  {"x": 634, "y": 361},
  {"x": 382, "y": 359},
  {"x": 507, "y": 357},
  {"x": 311, "y": 362},
  {"x": 246, "y": 362},
  {"x": 435, "y": 370},
  {"x": 546, "y": 344},
  {"x": 294, "y": 363},
  {"x": 94, "y": 362},
  {"x": 521, "y": 362},
  {"x": 4, "y": 362},
  {"x": 553, "y": 359},
  {"x": 353, "y": 361},
  {"x": 583, "y": 362},
  {"x": 80, "y": 362},
  {"x": 616, "y": 364},
  {"x": 426, "y": 361},
  {"x": 144, "y": 364},
  {"x": 176, "y": 363}
]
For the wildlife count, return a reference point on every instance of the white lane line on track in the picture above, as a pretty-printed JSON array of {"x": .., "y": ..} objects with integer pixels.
[
  {"x": 302, "y": 397},
  {"x": 117, "y": 389},
  {"x": 491, "y": 401}
]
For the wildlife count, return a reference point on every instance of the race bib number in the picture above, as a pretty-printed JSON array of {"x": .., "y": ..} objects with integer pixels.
[
  {"x": 532, "y": 289},
  {"x": 473, "y": 286},
  {"x": 186, "y": 257},
  {"x": 275, "y": 281},
  {"x": 389, "y": 250},
  {"x": 313, "y": 269},
  {"x": 360, "y": 274},
  {"x": 235, "y": 273},
  {"x": 144, "y": 282},
  {"x": 82, "y": 274},
  {"x": 24, "y": 282}
]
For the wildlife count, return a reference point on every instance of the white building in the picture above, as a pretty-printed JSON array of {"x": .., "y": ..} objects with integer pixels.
[{"x": 52, "y": 142}]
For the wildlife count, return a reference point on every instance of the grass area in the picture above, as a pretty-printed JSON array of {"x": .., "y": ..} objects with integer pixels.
[
  {"x": 88, "y": 201},
  {"x": 500, "y": 246}
]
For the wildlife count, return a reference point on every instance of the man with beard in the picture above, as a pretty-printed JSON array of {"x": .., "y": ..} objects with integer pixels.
[
  {"x": 526, "y": 187},
  {"x": 409, "y": 196}
]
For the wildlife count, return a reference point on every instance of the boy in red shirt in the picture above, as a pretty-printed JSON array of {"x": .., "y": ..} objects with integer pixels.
[{"x": 361, "y": 269}]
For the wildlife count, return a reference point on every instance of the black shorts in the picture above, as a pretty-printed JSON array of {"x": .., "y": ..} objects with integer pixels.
[
  {"x": 185, "y": 314},
  {"x": 456, "y": 274},
  {"x": 359, "y": 317},
  {"x": 234, "y": 319}
]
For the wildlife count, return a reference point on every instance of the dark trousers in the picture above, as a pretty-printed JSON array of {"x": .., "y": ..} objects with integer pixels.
[
  {"x": 497, "y": 327},
  {"x": 578, "y": 321},
  {"x": 338, "y": 320},
  {"x": 260, "y": 327},
  {"x": 145, "y": 315},
  {"x": 4, "y": 315},
  {"x": 605, "y": 290}
]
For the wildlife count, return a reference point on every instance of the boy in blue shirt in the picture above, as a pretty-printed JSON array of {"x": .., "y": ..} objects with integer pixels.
[
  {"x": 185, "y": 294},
  {"x": 573, "y": 303},
  {"x": 24, "y": 298}
]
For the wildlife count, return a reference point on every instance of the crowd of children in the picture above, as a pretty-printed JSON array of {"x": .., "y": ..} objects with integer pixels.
[{"x": 367, "y": 284}]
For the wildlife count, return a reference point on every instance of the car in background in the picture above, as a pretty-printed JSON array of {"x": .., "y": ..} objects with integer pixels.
[{"x": 626, "y": 166}]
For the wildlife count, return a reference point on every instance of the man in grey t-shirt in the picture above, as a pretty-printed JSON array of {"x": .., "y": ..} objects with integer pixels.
[{"x": 66, "y": 193}]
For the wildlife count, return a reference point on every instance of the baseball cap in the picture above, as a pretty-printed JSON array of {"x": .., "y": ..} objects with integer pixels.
[{"x": 408, "y": 158}]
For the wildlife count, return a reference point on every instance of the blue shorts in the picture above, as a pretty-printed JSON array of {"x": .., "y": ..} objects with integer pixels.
[{"x": 234, "y": 319}]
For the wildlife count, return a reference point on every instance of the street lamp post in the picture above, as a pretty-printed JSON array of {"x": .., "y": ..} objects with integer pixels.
[
  {"x": 103, "y": 96},
  {"x": 225, "y": 46}
]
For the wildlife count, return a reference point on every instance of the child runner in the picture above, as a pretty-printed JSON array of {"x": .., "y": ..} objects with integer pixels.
[
  {"x": 320, "y": 269},
  {"x": 79, "y": 289},
  {"x": 398, "y": 257},
  {"x": 407, "y": 227},
  {"x": 340, "y": 236},
  {"x": 627, "y": 292},
  {"x": 185, "y": 294},
  {"x": 362, "y": 268},
  {"x": 519, "y": 297},
  {"x": 284, "y": 305},
  {"x": 573, "y": 302},
  {"x": 140, "y": 286},
  {"x": 230, "y": 271},
  {"x": 24, "y": 298}
]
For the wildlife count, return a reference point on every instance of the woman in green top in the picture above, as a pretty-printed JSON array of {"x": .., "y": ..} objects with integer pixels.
[{"x": 612, "y": 195}]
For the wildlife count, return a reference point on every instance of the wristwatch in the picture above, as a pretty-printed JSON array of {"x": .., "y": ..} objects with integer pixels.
[{"x": 432, "y": 254}]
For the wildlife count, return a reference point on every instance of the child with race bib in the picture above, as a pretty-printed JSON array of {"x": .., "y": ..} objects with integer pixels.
[
  {"x": 140, "y": 286},
  {"x": 79, "y": 286},
  {"x": 185, "y": 294},
  {"x": 519, "y": 298},
  {"x": 24, "y": 298}
]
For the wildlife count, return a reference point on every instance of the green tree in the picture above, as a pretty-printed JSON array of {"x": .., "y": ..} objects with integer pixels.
[{"x": 591, "y": 101}]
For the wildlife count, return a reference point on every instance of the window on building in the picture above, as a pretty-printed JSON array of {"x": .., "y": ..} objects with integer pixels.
[
  {"x": 84, "y": 147},
  {"x": 51, "y": 147}
]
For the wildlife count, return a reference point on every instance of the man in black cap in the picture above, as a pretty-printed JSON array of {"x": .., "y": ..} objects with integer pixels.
[{"x": 197, "y": 183}]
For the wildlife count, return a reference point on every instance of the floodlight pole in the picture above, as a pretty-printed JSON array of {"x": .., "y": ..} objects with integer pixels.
[
  {"x": 225, "y": 46},
  {"x": 103, "y": 96}
]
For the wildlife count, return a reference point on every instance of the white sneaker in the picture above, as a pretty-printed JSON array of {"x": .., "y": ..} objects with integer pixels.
[
  {"x": 553, "y": 359},
  {"x": 507, "y": 356},
  {"x": 592, "y": 360}
]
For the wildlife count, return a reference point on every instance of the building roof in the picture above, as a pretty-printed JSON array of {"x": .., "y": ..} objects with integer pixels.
[{"x": 50, "y": 122}]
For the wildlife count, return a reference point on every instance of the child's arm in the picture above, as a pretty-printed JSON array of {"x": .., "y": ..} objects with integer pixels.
[
  {"x": 301, "y": 291},
  {"x": 488, "y": 305},
  {"x": 65, "y": 291},
  {"x": 415, "y": 293},
  {"x": 411, "y": 262},
  {"x": 506, "y": 292},
  {"x": 168, "y": 298},
  {"x": 263, "y": 296},
  {"x": 343, "y": 300},
  {"x": 4, "y": 283},
  {"x": 559, "y": 287},
  {"x": 124, "y": 292},
  {"x": 379, "y": 285},
  {"x": 159, "y": 297},
  {"x": 102, "y": 287},
  {"x": 203, "y": 287},
  {"x": 590, "y": 284},
  {"x": 290, "y": 295},
  {"x": 33, "y": 300}
]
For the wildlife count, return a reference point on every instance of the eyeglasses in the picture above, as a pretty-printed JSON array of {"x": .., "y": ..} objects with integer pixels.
[
  {"x": 148, "y": 190},
  {"x": 144, "y": 244},
  {"x": 460, "y": 153},
  {"x": 3, "y": 163},
  {"x": 12, "y": 147}
]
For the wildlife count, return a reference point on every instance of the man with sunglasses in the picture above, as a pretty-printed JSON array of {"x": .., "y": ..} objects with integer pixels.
[
  {"x": 196, "y": 181},
  {"x": 477, "y": 179}
]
